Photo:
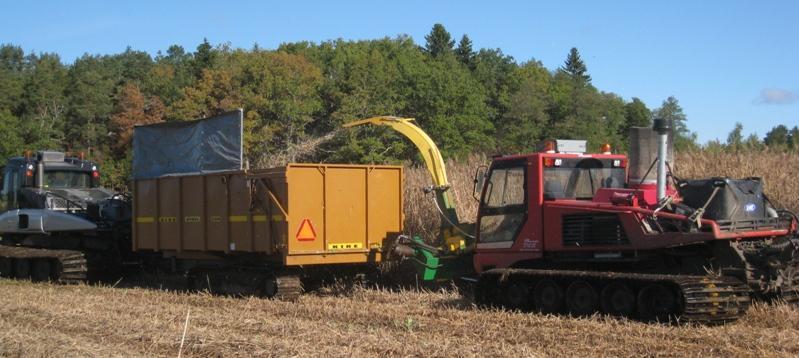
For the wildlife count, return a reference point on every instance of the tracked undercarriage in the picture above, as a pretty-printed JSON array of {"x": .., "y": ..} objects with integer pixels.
[
  {"x": 283, "y": 285},
  {"x": 769, "y": 267},
  {"x": 63, "y": 266},
  {"x": 717, "y": 292},
  {"x": 650, "y": 297}
]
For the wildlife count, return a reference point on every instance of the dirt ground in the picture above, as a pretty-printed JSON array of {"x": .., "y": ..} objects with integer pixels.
[{"x": 56, "y": 320}]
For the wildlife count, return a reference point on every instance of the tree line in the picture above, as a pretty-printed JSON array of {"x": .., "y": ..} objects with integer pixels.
[{"x": 468, "y": 100}]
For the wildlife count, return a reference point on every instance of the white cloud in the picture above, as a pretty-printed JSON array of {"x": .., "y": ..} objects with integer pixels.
[{"x": 777, "y": 96}]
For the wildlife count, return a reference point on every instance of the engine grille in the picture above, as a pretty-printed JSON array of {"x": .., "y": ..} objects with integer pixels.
[
  {"x": 56, "y": 203},
  {"x": 593, "y": 230}
]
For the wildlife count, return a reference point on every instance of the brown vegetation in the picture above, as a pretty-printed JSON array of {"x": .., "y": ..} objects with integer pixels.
[{"x": 44, "y": 319}]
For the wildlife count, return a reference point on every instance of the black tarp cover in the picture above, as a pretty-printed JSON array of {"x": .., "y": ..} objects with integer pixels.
[{"x": 192, "y": 147}]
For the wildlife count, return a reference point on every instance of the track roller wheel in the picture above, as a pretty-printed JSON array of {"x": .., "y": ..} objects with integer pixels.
[
  {"x": 548, "y": 296},
  {"x": 517, "y": 295},
  {"x": 581, "y": 298},
  {"x": 618, "y": 299},
  {"x": 6, "y": 267},
  {"x": 287, "y": 287},
  {"x": 483, "y": 293},
  {"x": 269, "y": 286},
  {"x": 41, "y": 270},
  {"x": 22, "y": 269},
  {"x": 657, "y": 303}
]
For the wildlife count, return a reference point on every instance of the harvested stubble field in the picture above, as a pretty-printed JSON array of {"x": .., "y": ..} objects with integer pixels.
[
  {"x": 44, "y": 319},
  {"x": 53, "y": 320}
]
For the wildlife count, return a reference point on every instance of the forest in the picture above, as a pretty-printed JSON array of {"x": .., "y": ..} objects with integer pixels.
[{"x": 469, "y": 100}]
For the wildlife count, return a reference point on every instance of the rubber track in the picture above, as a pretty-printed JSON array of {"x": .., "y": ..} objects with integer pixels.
[
  {"x": 289, "y": 287},
  {"x": 791, "y": 294},
  {"x": 72, "y": 264},
  {"x": 705, "y": 299}
]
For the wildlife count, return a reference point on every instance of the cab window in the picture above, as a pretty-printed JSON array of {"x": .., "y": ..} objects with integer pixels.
[
  {"x": 581, "y": 178},
  {"x": 504, "y": 204},
  {"x": 11, "y": 183}
]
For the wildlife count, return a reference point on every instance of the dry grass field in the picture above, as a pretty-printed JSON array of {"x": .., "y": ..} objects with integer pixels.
[{"x": 53, "y": 320}]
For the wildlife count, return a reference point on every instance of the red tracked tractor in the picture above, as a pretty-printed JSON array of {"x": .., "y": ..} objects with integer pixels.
[{"x": 561, "y": 230}]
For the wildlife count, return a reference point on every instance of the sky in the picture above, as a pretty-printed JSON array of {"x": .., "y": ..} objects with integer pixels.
[{"x": 725, "y": 61}]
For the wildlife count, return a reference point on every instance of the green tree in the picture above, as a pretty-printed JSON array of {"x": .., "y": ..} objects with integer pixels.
[
  {"x": 735, "y": 140},
  {"x": 495, "y": 70},
  {"x": 793, "y": 138},
  {"x": 44, "y": 105},
  {"x": 451, "y": 105},
  {"x": 525, "y": 122},
  {"x": 169, "y": 74},
  {"x": 576, "y": 68},
  {"x": 12, "y": 69},
  {"x": 278, "y": 91},
  {"x": 753, "y": 142},
  {"x": 11, "y": 141},
  {"x": 131, "y": 66},
  {"x": 464, "y": 51},
  {"x": 671, "y": 110},
  {"x": 92, "y": 81},
  {"x": 636, "y": 115},
  {"x": 204, "y": 58},
  {"x": 439, "y": 41},
  {"x": 777, "y": 137}
]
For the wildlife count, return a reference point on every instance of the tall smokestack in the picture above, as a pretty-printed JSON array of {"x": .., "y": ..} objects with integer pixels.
[
  {"x": 40, "y": 173},
  {"x": 662, "y": 127}
]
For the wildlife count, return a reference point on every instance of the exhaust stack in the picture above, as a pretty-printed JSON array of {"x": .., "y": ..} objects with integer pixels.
[
  {"x": 40, "y": 174},
  {"x": 662, "y": 127}
]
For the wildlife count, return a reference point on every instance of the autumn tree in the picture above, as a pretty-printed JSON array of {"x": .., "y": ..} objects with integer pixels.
[{"x": 131, "y": 109}]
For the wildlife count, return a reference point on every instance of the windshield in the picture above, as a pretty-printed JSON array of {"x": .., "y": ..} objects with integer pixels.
[
  {"x": 67, "y": 179},
  {"x": 581, "y": 178}
]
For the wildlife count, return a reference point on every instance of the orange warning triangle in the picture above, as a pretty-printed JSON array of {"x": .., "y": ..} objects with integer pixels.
[{"x": 306, "y": 231}]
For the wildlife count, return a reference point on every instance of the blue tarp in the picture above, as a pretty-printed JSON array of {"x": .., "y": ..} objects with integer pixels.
[{"x": 192, "y": 147}]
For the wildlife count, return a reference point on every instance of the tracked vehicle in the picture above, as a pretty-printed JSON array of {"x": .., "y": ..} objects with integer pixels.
[
  {"x": 57, "y": 223},
  {"x": 562, "y": 230}
]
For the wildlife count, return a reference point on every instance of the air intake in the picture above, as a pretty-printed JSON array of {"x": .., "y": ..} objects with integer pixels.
[
  {"x": 50, "y": 156},
  {"x": 593, "y": 230}
]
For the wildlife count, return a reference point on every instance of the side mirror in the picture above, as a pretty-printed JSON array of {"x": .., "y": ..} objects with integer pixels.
[{"x": 479, "y": 180}]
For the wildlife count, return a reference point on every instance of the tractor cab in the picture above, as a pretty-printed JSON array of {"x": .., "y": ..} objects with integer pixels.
[
  {"x": 49, "y": 180},
  {"x": 516, "y": 190}
]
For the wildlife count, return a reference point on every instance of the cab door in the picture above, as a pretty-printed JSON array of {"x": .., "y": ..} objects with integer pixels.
[
  {"x": 503, "y": 206},
  {"x": 10, "y": 186}
]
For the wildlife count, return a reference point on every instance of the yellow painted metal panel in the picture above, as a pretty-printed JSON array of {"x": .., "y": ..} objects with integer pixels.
[
  {"x": 345, "y": 204},
  {"x": 333, "y": 258},
  {"x": 145, "y": 201},
  {"x": 192, "y": 208},
  {"x": 349, "y": 211},
  {"x": 384, "y": 205},
  {"x": 216, "y": 228},
  {"x": 306, "y": 202},
  {"x": 240, "y": 230},
  {"x": 168, "y": 212}
]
